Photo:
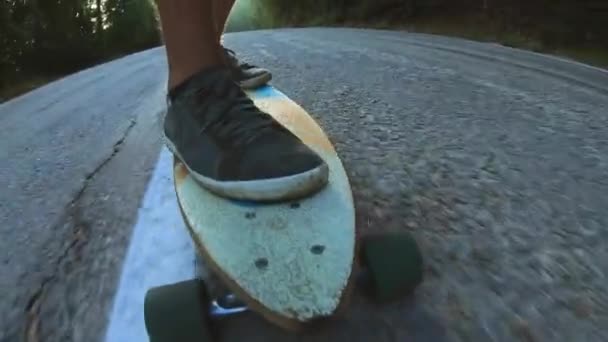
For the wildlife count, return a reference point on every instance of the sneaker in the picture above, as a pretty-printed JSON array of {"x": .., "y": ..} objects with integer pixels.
[
  {"x": 234, "y": 149},
  {"x": 246, "y": 75}
]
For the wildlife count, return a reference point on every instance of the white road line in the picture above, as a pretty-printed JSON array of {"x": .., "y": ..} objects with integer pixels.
[{"x": 160, "y": 253}]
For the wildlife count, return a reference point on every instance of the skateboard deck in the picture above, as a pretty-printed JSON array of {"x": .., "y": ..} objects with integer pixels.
[{"x": 291, "y": 262}]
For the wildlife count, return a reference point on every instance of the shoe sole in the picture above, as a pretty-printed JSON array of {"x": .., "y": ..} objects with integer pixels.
[
  {"x": 257, "y": 81},
  {"x": 264, "y": 190}
]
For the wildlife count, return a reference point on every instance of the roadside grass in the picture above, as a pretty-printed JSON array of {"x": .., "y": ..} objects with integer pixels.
[
  {"x": 468, "y": 27},
  {"x": 24, "y": 86},
  {"x": 480, "y": 30}
]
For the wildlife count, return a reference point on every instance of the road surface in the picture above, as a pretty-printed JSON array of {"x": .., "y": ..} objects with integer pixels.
[{"x": 494, "y": 158}]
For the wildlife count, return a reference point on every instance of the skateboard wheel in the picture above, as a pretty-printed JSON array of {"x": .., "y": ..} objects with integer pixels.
[
  {"x": 393, "y": 265},
  {"x": 178, "y": 312}
]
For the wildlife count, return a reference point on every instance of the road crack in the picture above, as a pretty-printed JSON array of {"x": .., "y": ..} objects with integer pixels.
[
  {"x": 72, "y": 215},
  {"x": 115, "y": 149}
]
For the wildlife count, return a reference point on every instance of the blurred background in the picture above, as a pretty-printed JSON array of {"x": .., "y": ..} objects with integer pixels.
[{"x": 44, "y": 40}]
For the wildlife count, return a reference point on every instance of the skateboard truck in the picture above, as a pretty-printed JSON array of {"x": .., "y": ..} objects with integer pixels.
[
  {"x": 226, "y": 306},
  {"x": 392, "y": 267}
]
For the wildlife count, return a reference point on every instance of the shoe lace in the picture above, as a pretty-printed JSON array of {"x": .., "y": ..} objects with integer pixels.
[
  {"x": 235, "y": 118},
  {"x": 234, "y": 61}
]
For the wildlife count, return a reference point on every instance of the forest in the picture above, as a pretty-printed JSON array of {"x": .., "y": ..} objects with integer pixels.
[
  {"x": 43, "y": 39},
  {"x": 551, "y": 22}
]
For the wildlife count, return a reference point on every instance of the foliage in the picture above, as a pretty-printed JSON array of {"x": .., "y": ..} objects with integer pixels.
[
  {"x": 42, "y": 37},
  {"x": 553, "y": 22},
  {"x": 47, "y": 38}
]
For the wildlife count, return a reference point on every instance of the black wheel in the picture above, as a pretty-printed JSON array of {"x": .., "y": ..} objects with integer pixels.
[
  {"x": 393, "y": 265},
  {"x": 178, "y": 312}
]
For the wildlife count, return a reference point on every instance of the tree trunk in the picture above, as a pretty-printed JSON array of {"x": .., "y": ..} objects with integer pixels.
[{"x": 99, "y": 18}]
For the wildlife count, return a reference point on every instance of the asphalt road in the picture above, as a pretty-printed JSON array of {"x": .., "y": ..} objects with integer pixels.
[{"x": 496, "y": 160}]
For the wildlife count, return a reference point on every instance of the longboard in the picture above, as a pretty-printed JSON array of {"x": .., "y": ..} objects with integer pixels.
[
  {"x": 291, "y": 262},
  {"x": 294, "y": 262}
]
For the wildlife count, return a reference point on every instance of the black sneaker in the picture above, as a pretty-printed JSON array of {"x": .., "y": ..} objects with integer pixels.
[
  {"x": 246, "y": 75},
  {"x": 233, "y": 148}
]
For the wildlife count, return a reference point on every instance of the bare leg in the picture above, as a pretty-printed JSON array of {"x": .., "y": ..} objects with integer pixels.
[
  {"x": 221, "y": 11},
  {"x": 246, "y": 75},
  {"x": 190, "y": 37},
  {"x": 229, "y": 146}
]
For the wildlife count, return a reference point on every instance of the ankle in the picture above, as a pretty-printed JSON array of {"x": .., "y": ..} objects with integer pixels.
[
  {"x": 177, "y": 78},
  {"x": 205, "y": 77},
  {"x": 188, "y": 67}
]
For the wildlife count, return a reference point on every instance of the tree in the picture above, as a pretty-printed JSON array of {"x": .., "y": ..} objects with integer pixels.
[
  {"x": 134, "y": 19},
  {"x": 41, "y": 37}
]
